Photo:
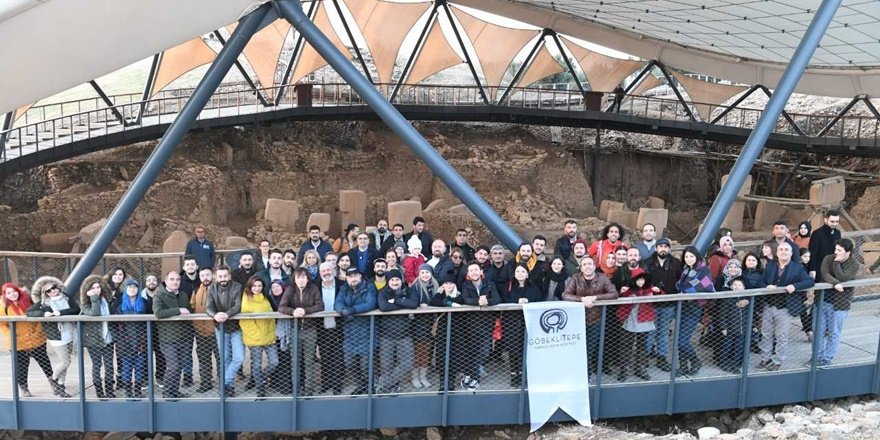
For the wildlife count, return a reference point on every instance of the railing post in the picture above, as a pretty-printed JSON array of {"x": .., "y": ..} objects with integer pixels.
[
  {"x": 81, "y": 376},
  {"x": 523, "y": 372},
  {"x": 600, "y": 359},
  {"x": 221, "y": 341},
  {"x": 151, "y": 384},
  {"x": 747, "y": 352},
  {"x": 370, "y": 361},
  {"x": 294, "y": 373},
  {"x": 676, "y": 329},
  {"x": 445, "y": 411},
  {"x": 13, "y": 355},
  {"x": 818, "y": 341}
]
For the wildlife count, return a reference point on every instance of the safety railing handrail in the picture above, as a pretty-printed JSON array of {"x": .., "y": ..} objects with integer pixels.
[{"x": 677, "y": 297}]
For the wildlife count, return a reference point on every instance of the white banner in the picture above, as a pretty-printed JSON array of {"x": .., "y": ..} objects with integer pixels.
[{"x": 556, "y": 361}]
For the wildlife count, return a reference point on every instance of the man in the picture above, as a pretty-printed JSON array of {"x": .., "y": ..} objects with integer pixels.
[
  {"x": 224, "y": 302},
  {"x": 315, "y": 243},
  {"x": 274, "y": 271},
  {"x": 781, "y": 309},
  {"x": 362, "y": 255},
  {"x": 379, "y": 235},
  {"x": 206, "y": 342},
  {"x": 263, "y": 260},
  {"x": 497, "y": 272},
  {"x": 539, "y": 244},
  {"x": 632, "y": 259},
  {"x": 822, "y": 242},
  {"x": 478, "y": 290},
  {"x": 649, "y": 242},
  {"x": 331, "y": 257},
  {"x": 379, "y": 268},
  {"x": 300, "y": 299},
  {"x": 245, "y": 269},
  {"x": 525, "y": 255},
  {"x": 837, "y": 268},
  {"x": 174, "y": 336},
  {"x": 149, "y": 292},
  {"x": 443, "y": 267},
  {"x": 394, "y": 240},
  {"x": 355, "y": 297},
  {"x": 201, "y": 248},
  {"x": 780, "y": 235},
  {"x": 587, "y": 287},
  {"x": 665, "y": 271},
  {"x": 330, "y": 331},
  {"x": 460, "y": 242},
  {"x": 569, "y": 236},
  {"x": 395, "y": 340},
  {"x": 423, "y": 235},
  {"x": 189, "y": 282},
  {"x": 288, "y": 262},
  {"x": 578, "y": 253}
]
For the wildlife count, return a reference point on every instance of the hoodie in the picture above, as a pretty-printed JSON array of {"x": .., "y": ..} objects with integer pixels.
[{"x": 646, "y": 310}]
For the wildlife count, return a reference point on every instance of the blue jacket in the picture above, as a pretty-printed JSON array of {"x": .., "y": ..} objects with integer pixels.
[
  {"x": 204, "y": 252},
  {"x": 356, "y": 332},
  {"x": 322, "y": 249},
  {"x": 794, "y": 274}
]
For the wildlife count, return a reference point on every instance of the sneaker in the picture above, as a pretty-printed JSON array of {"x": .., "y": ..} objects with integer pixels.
[
  {"x": 465, "y": 381},
  {"x": 473, "y": 385},
  {"x": 643, "y": 375},
  {"x": 187, "y": 380},
  {"x": 230, "y": 391},
  {"x": 204, "y": 387},
  {"x": 622, "y": 376},
  {"x": 773, "y": 366},
  {"x": 24, "y": 392},
  {"x": 764, "y": 364}
]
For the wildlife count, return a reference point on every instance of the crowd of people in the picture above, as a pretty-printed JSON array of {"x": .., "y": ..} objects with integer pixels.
[{"x": 394, "y": 272}]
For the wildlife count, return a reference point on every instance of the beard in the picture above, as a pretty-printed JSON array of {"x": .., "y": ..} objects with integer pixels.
[
  {"x": 224, "y": 283},
  {"x": 633, "y": 264},
  {"x": 380, "y": 273},
  {"x": 382, "y": 230}
]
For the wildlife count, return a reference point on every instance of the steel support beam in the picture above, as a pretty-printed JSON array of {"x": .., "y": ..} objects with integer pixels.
[
  {"x": 564, "y": 55},
  {"x": 292, "y": 10},
  {"x": 838, "y": 116},
  {"x": 738, "y": 101},
  {"x": 166, "y": 147},
  {"x": 597, "y": 157},
  {"x": 525, "y": 65},
  {"x": 108, "y": 102},
  {"x": 467, "y": 56},
  {"x": 787, "y": 178},
  {"x": 687, "y": 108},
  {"x": 294, "y": 57},
  {"x": 766, "y": 123},
  {"x": 354, "y": 44},
  {"x": 244, "y": 74},
  {"x": 148, "y": 88},
  {"x": 784, "y": 113}
]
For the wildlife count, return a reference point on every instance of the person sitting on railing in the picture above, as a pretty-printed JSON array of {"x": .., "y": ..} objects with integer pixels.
[
  {"x": 395, "y": 336},
  {"x": 151, "y": 288},
  {"x": 732, "y": 325},
  {"x": 695, "y": 278},
  {"x": 30, "y": 341},
  {"x": 224, "y": 302},
  {"x": 424, "y": 287},
  {"x": 131, "y": 340},
  {"x": 206, "y": 342},
  {"x": 637, "y": 320},
  {"x": 258, "y": 335},
  {"x": 520, "y": 291},
  {"x": 837, "y": 268},
  {"x": 781, "y": 309},
  {"x": 301, "y": 299},
  {"x": 96, "y": 299},
  {"x": 53, "y": 302},
  {"x": 587, "y": 287},
  {"x": 479, "y": 290},
  {"x": 356, "y": 296},
  {"x": 173, "y": 336}
]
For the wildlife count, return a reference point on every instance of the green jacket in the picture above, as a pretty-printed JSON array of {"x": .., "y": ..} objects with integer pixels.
[{"x": 167, "y": 305}]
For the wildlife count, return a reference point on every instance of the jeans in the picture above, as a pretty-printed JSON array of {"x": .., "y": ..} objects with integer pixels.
[
  {"x": 658, "y": 339},
  {"x": 775, "y": 325},
  {"x": 358, "y": 368},
  {"x": 102, "y": 356},
  {"x": 691, "y": 312},
  {"x": 308, "y": 339},
  {"x": 259, "y": 372},
  {"x": 395, "y": 359},
  {"x": 232, "y": 348},
  {"x": 23, "y": 357},
  {"x": 206, "y": 346},
  {"x": 133, "y": 364},
  {"x": 175, "y": 353},
  {"x": 592, "y": 345},
  {"x": 832, "y": 323},
  {"x": 330, "y": 347},
  {"x": 188, "y": 356}
]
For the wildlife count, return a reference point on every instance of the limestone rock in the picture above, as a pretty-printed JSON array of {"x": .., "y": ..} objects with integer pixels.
[
  {"x": 433, "y": 433},
  {"x": 708, "y": 432},
  {"x": 89, "y": 232},
  {"x": 388, "y": 432}
]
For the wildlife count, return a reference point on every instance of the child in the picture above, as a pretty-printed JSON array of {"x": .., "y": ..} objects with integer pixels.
[
  {"x": 131, "y": 339},
  {"x": 637, "y": 320},
  {"x": 733, "y": 320},
  {"x": 413, "y": 261}
]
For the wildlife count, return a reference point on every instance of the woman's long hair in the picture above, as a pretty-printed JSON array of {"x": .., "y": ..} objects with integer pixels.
[
  {"x": 20, "y": 305},
  {"x": 250, "y": 283}
]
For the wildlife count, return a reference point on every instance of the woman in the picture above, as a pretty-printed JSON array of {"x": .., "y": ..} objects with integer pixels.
[
  {"x": 519, "y": 291},
  {"x": 59, "y": 335},
  {"x": 131, "y": 339},
  {"x": 719, "y": 258},
  {"x": 713, "y": 336},
  {"x": 347, "y": 242},
  {"x": 459, "y": 266},
  {"x": 301, "y": 299},
  {"x": 342, "y": 265},
  {"x": 95, "y": 298},
  {"x": 258, "y": 335},
  {"x": 554, "y": 280},
  {"x": 115, "y": 281},
  {"x": 768, "y": 251},
  {"x": 802, "y": 238},
  {"x": 311, "y": 261},
  {"x": 450, "y": 296},
  {"x": 695, "y": 278},
  {"x": 424, "y": 287},
  {"x": 610, "y": 240},
  {"x": 752, "y": 272},
  {"x": 282, "y": 383},
  {"x": 30, "y": 341},
  {"x": 392, "y": 262}
]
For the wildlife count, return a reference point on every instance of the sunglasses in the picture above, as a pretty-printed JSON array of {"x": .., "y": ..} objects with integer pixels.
[{"x": 52, "y": 287}]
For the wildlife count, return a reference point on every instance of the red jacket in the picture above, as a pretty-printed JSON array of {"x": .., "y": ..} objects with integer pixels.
[
  {"x": 646, "y": 310},
  {"x": 411, "y": 267}
]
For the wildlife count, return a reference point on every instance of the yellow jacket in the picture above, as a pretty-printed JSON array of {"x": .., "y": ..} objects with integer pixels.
[
  {"x": 257, "y": 331},
  {"x": 29, "y": 335}
]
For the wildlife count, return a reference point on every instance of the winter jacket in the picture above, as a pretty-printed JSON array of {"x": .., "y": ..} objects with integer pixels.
[
  {"x": 821, "y": 245},
  {"x": 560, "y": 279},
  {"x": 130, "y": 337},
  {"x": 203, "y": 251},
  {"x": 198, "y": 304},
  {"x": 309, "y": 299},
  {"x": 225, "y": 299},
  {"x": 96, "y": 334},
  {"x": 834, "y": 273},
  {"x": 411, "y": 266},
  {"x": 241, "y": 276},
  {"x": 256, "y": 332},
  {"x": 516, "y": 292},
  {"x": 423, "y": 294},
  {"x": 395, "y": 326},
  {"x": 356, "y": 332},
  {"x": 444, "y": 270},
  {"x": 573, "y": 264},
  {"x": 363, "y": 260},
  {"x": 599, "y": 251},
  {"x": 391, "y": 243},
  {"x": 563, "y": 247},
  {"x": 645, "y": 251},
  {"x": 28, "y": 335},
  {"x": 717, "y": 262},
  {"x": 793, "y": 274},
  {"x": 189, "y": 285},
  {"x": 471, "y": 295},
  {"x": 499, "y": 276},
  {"x": 599, "y": 286},
  {"x": 732, "y": 318},
  {"x": 754, "y": 278},
  {"x": 322, "y": 248},
  {"x": 426, "y": 239},
  {"x": 646, "y": 310},
  {"x": 167, "y": 305},
  {"x": 63, "y": 304}
]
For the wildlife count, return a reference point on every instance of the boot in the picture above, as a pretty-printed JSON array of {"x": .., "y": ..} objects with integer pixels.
[
  {"x": 108, "y": 389},
  {"x": 423, "y": 377},
  {"x": 663, "y": 364},
  {"x": 59, "y": 390},
  {"x": 696, "y": 364},
  {"x": 99, "y": 390},
  {"x": 23, "y": 391},
  {"x": 416, "y": 381}
]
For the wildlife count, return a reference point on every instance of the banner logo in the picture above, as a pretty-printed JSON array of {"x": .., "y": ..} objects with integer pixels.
[{"x": 553, "y": 320}]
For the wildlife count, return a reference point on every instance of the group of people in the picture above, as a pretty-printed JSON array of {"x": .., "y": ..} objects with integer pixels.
[{"x": 399, "y": 273}]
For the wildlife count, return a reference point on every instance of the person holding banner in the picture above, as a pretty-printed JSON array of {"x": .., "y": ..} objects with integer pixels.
[
  {"x": 588, "y": 286},
  {"x": 521, "y": 291}
]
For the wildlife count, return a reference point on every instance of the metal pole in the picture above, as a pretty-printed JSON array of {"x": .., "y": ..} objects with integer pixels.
[
  {"x": 526, "y": 63},
  {"x": 148, "y": 88},
  {"x": 354, "y": 44},
  {"x": 293, "y": 58},
  {"x": 108, "y": 102},
  {"x": 415, "y": 53},
  {"x": 464, "y": 50},
  {"x": 755, "y": 144},
  {"x": 292, "y": 10},
  {"x": 564, "y": 55},
  {"x": 166, "y": 147},
  {"x": 596, "y": 158},
  {"x": 687, "y": 108},
  {"x": 244, "y": 74},
  {"x": 7, "y": 124},
  {"x": 787, "y": 177}
]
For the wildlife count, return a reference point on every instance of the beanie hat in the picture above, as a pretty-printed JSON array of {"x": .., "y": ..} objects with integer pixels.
[
  {"x": 393, "y": 273},
  {"x": 414, "y": 243},
  {"x": 427, "y": 267}
]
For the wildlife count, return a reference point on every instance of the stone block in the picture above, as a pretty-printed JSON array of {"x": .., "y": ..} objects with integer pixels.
[
  {"x": 871, "y": 252},
  {"x": 176, "y": 242},
  {"x": 460, "y": 209},
  {"x": 88, "y": 233},
  {"x": 403, "y": 212},
  {"x": 734, "y": 218},
  {"x": 658, "y": 217},
  {"x": 57, "y": 242},
  {"x": 828, "y": 192},
  {"x": 282, "y": 213},
  {"x": 627, "y": 219},
  {"x": 437, "y": 205},
  {"x": 767, "y": 213},
  {"x": 607, "y": 206},
  {"x": 234, "y": 242},
  {"x": 655, "y": 203},
  {"x": 352, "y": 207},
  {"x": 322, "y": 219}
]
